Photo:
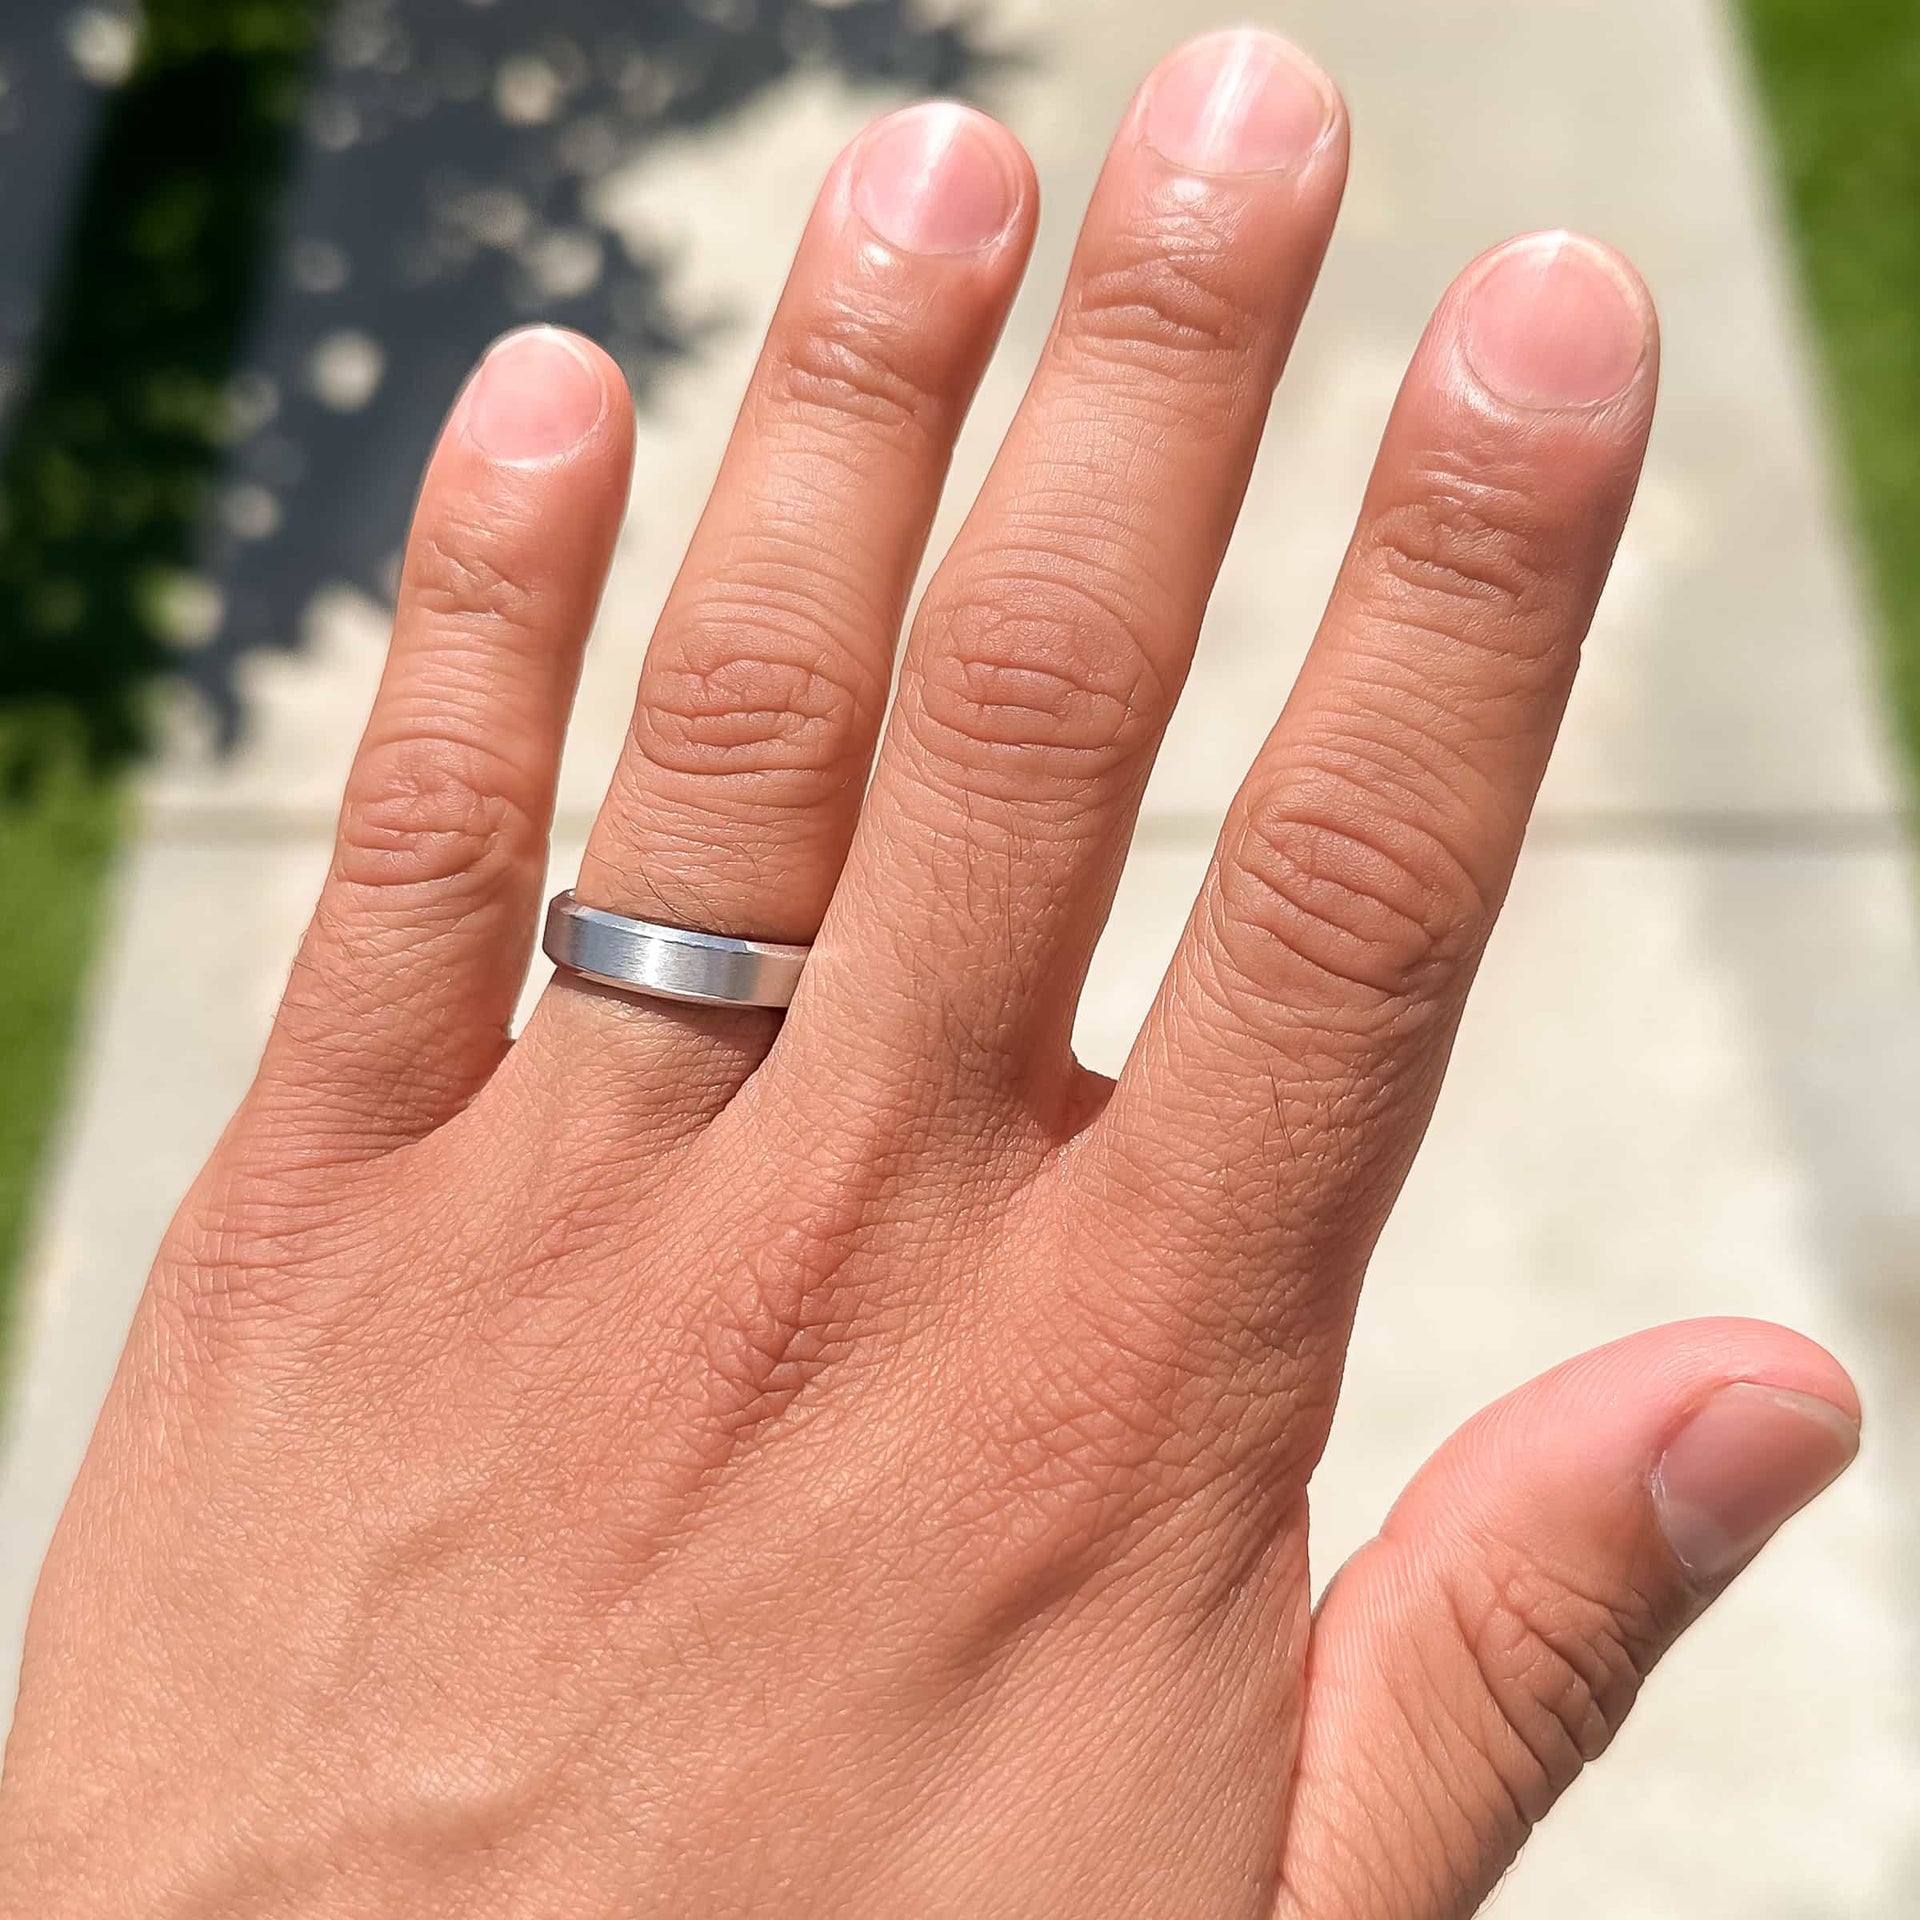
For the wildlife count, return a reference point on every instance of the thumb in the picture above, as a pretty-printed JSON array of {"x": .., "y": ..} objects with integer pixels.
[{"x": 1470, "y": 1660}]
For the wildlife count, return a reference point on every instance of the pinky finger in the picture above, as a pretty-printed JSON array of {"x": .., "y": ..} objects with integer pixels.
[
  {"x": 398, "y": 1005},
  {"x": 1472, "y": 1658}
]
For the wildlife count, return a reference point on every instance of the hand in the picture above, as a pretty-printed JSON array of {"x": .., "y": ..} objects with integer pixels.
[{"x": 689, "y": 1464}]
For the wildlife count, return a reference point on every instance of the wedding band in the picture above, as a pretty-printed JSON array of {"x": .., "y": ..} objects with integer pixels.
[{"x": 669, "y": 963}]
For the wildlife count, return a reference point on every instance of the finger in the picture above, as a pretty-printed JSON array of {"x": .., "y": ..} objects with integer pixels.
[
  {"x": 1052, "y": 643},
  {"x": 1285, "y": 1073},
  {"x": 1469, "y": 1661},
  {"x": 398, "y": 1006},
  {"x": 757, "y": 710}
]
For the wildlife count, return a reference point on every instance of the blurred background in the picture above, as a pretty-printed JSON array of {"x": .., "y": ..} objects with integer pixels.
[{"x": 249, "y": 247}]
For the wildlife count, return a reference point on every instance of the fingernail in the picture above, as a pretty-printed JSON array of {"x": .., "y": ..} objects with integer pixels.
[
  {"x": 534, "y": 396},
  {"x": 1239, "y": 102},
  {"x": 1749, "y": 1460},
  {"x": 1551, "y": 324},
  {"x": 933, "y": 180}
]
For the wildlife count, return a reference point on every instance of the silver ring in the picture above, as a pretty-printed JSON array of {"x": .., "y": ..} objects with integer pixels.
[{"x": 669, "y": 963}]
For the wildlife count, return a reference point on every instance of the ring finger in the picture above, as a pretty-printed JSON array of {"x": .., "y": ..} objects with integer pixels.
[{"x": 735, "y": 795}]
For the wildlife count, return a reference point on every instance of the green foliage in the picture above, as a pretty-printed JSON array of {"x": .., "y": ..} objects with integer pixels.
[
  {"x": 119, "y": 437},
  {"x": 57, "y": 834},
  {"x": 1842, "y": 81}
]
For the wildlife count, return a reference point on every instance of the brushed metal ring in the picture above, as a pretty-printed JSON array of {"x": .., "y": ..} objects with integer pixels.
[{"x": 669, "y": 963}]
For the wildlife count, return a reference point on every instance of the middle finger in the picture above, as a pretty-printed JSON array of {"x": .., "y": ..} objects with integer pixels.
[{"x": 1053, "y": 642}]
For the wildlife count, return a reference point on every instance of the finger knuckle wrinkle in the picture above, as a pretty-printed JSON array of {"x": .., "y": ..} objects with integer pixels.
[
  {"x": 463, "y": 573},
  {"x": 1168, "y": 309},
  {"x": 847, "y": 371},
  {"x": 1455, "y": 552},
  {"x": 1560, "y": 1670},
  {"x": 755, "y": 690},
  {"x": 429, "y": 810},
  {"x": 1382, "y": 907},
  {"x": 1041, "y": 670}
]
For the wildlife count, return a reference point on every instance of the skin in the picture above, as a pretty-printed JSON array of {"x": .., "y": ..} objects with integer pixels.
[{"x": 686, "y": 1461}]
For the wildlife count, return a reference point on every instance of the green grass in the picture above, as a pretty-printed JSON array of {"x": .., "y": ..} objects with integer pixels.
[
  {"x": 57, "y": 838},
  {"x": 1841, "y": 81}
]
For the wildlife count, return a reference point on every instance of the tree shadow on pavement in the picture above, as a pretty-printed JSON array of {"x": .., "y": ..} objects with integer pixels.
[{"x": 300, "y": 223}]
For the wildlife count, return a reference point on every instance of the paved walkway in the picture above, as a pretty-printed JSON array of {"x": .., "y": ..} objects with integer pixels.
[{"x": 1687, "y": 1082}]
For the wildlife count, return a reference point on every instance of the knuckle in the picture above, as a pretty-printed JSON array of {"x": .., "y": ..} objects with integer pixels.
[
  {"x": 1464, "y": 555},
  {"x": 847, "y": 370},
  {"x": 775, "y": 1326},
  {"x": 759, "y": 686},
  {"x": 267, "y": 1262},
  {"x": 1038, "y": 674},
  {"x": 462, "y": 572},
  {"x": 1559, "y": 1667},
  {"x": 1078, "y": 1454},
  {"x": 433, "y": 810},
  {"x": 1370, "y": 902},
  {"x": 1168, "y": 305}
]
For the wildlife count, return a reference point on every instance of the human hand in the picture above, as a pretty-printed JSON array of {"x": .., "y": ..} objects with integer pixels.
[{"x": 688, "y": 1463}]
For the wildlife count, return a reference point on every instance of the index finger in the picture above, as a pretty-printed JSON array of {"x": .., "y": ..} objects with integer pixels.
[{"x": 1279, "y": 1089}]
